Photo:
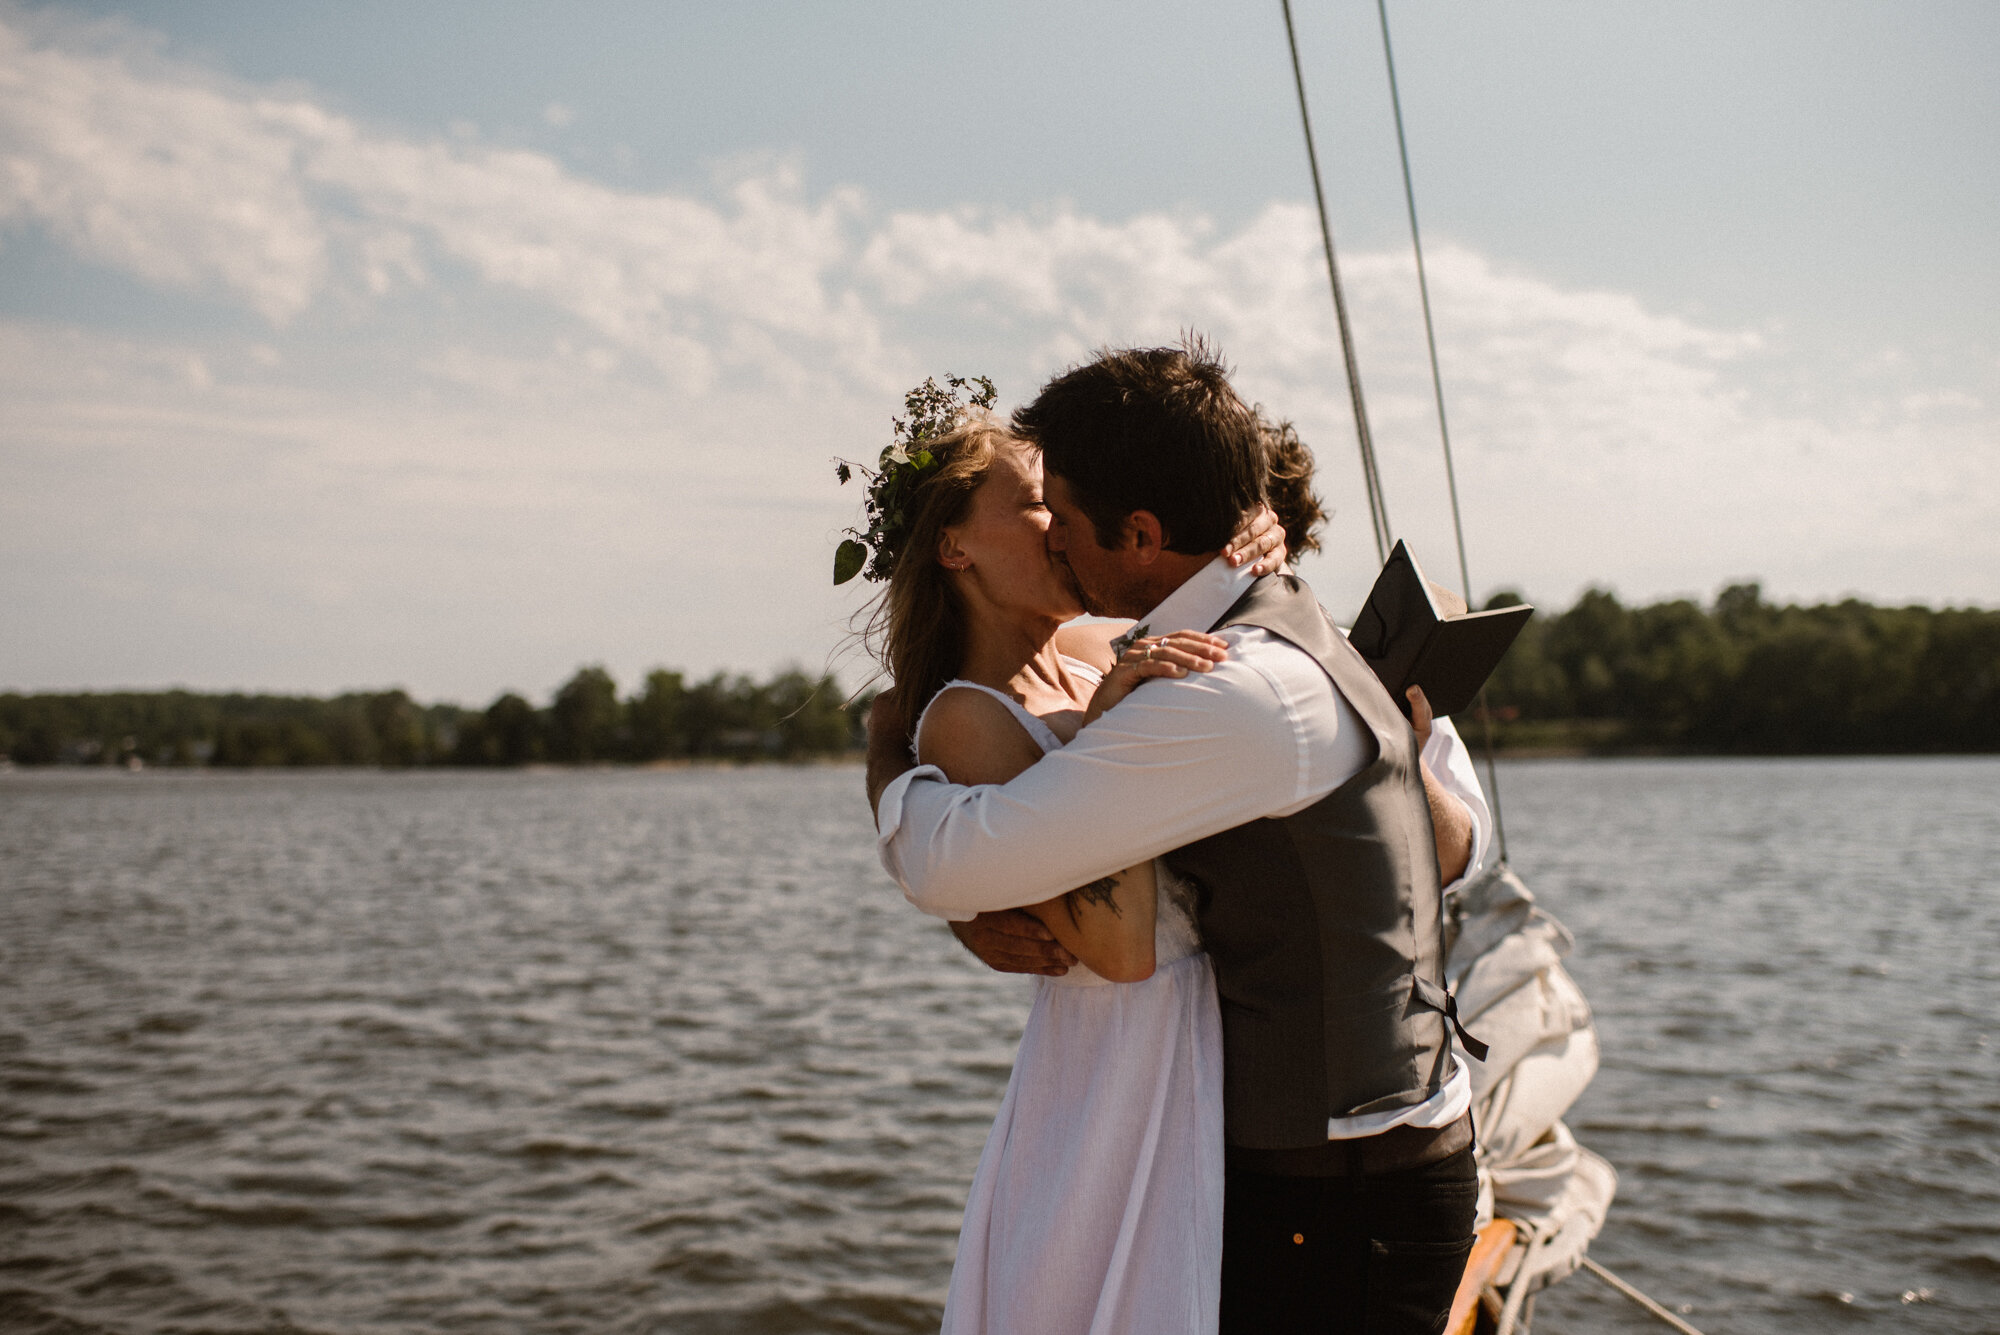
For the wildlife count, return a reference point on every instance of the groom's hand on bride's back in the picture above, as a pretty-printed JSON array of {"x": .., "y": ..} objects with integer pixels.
[{"x": 1012, "y": 941}]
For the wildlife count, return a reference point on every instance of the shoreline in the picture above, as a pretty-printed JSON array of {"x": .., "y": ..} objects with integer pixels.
[{"x": 856, "y": 759}]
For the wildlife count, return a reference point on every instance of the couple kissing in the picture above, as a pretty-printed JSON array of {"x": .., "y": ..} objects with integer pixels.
[{"x": 1241, "y": 1101}]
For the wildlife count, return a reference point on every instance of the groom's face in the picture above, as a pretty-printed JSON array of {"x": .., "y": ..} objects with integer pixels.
[{"x": 1104, "y": 575}]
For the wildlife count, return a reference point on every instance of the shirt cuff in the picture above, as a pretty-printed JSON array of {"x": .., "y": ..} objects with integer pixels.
[
  {"x": 1441, "y": 1109},
  {"x": 889, "y": 820}
]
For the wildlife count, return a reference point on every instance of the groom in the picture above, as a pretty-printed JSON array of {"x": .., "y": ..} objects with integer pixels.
[{"x": 1286, "y": 787}]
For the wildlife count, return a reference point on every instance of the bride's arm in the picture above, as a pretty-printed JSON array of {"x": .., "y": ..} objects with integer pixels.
[{"x": 1107, "y": 924}]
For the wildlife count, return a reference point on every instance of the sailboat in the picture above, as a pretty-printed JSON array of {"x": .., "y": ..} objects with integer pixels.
[{"x": 1543, "y": 1196}]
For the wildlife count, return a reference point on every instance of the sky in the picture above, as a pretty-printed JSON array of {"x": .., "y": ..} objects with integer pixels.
[{"x": 454, "y": 346}]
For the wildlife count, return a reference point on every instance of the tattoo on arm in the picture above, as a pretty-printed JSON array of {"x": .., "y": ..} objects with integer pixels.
[{"x": 1103, "y": 890}]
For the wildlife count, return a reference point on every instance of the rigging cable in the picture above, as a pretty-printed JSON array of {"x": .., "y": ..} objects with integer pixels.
[
  {"x": 1378, "y": 510},
  {"x": 1651, "y": 1307},
  {"x": 1437, "y": 387}
]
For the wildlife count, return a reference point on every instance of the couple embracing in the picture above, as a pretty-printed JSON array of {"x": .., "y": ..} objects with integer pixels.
[{"x": 1237, "y": 1104}]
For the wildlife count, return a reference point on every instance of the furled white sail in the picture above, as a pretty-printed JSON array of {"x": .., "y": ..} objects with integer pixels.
[{"x": 1505, "y": 967}]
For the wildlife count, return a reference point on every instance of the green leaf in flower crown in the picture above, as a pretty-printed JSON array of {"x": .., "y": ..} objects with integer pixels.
[
  {"x": 891, "y": 487},
  {"x": 848, "y": 558}
]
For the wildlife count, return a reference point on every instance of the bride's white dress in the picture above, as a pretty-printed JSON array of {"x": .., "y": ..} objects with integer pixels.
[{"x": 1097, "y": 1205}]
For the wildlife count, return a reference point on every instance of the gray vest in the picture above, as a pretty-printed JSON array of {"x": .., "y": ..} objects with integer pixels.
[{"x": 1324, "y": 926}]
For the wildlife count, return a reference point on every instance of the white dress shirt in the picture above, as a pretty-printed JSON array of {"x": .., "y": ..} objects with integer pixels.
[{"x": 1265, "y": 733}]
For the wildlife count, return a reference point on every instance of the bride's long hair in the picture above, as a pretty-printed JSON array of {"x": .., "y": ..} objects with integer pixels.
[{"x": 916, "y": 628}]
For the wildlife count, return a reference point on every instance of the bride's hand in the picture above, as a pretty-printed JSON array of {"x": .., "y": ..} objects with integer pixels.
[
  {"x": 1261, "y": 540},
  {"x": 1173, "y": 655}
]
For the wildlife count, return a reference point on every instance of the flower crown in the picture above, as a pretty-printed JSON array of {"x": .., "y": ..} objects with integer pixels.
[{"x": 892, "y": 484}]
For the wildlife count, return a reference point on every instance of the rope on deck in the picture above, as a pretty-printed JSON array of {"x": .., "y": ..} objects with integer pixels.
[{"x": 1662, "y": 1313}]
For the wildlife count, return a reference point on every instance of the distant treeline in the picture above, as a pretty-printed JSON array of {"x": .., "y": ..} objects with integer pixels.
[
  {"x": 1747, "y": 677},
  {"x": 1740, "y": 677},
  {"x": 790, "y": 717}
]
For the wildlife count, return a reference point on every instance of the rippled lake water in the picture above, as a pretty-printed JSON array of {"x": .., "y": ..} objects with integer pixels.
[{"x": 665, "y": 1051}]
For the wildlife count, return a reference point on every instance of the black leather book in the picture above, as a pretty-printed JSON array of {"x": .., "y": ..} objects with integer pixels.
[{"x": 1414, "y": 633}]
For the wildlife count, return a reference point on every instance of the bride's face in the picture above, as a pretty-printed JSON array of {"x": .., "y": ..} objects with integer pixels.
[{"x": 1002, "y": 547}]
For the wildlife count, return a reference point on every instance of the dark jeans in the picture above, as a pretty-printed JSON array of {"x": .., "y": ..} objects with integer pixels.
[{"x": 1379, "y": 1254}]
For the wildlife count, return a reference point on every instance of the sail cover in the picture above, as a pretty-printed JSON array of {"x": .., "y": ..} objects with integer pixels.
[{"x": 1505, "y": 967}]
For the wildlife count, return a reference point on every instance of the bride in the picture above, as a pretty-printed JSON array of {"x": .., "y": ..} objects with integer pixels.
[{"x": 1097, "y": 1205}]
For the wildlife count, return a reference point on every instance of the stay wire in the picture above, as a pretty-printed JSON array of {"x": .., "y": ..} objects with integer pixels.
[
  {"x": 1666, "y": 1317},
  {"x": 1437, "y": 392},
  {"x": 1515, "y": 1300},
  {"x": 1378, "y": 510}
]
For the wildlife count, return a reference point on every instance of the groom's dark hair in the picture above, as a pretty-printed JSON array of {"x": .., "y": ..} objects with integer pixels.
[{"x": 1154, "y": 429}]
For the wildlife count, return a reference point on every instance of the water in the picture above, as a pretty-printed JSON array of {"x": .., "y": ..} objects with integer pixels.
[{"x": 634, "y": 1052}]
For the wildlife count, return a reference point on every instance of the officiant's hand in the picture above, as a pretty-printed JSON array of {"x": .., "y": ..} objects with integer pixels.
[
  {"x": 1420, "y": 715},
  {"x": 1261, "y": 542},
  {"x": 1011, "y": 941},
  {"x": 1451, "y": 823},
  {"x": 1150, "y": 656}
]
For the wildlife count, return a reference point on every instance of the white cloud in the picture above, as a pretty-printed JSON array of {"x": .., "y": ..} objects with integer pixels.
[
  {"x": 174, "y": 181},
  {"x": 188, "y": 184},
  {"x": 1597, "y": 440},
  {"x": 611, "y": 416}
]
